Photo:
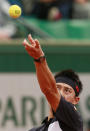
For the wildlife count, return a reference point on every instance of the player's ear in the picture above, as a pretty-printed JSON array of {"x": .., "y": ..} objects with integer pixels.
[{"x": 76, "y": 100}]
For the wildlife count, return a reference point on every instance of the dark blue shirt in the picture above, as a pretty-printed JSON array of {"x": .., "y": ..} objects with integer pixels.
[{"x": 66, "y": 118}]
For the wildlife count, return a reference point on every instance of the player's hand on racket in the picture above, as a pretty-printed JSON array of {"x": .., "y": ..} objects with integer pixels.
[{"x": 33, "y": 47}]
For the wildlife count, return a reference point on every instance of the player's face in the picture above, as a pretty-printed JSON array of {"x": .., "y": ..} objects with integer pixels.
[{"x": 67, "y": 92}]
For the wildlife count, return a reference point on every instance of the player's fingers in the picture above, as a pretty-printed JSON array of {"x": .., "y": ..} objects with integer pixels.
[
  {"x": 31, "y": 53},
  {"x": 37, "y": 43},
  {"x": 25, "y": 42},
  {"x": 31, "y": 40}
]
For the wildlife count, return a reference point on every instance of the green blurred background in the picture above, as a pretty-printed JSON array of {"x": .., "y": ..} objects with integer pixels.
[{"x": 66, "y": 44}]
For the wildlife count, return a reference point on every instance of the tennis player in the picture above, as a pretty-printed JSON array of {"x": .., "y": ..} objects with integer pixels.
[{"x": 62, "y": 92}]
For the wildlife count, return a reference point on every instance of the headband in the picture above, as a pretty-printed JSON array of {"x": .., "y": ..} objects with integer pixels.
[{"x": 70, "y": 82}]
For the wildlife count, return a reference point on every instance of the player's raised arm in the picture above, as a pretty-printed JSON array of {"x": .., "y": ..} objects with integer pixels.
[{"x": 44, "y": 75}]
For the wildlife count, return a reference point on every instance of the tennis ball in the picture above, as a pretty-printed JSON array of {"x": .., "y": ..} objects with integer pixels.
[{"x": 15, "y": 11}]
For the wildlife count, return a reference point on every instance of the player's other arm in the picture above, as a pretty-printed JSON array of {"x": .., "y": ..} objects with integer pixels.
[{"x": 44, "y": 75}]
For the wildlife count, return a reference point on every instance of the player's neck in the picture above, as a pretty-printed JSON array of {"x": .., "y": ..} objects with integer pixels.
[{"x": 50, "y": 114}]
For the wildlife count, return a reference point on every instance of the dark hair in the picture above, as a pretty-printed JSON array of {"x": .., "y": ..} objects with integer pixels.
[{"x": 71, "y": 75}]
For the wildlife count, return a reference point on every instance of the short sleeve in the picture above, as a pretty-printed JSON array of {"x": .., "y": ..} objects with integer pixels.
[{"x": 67, "y": 113}]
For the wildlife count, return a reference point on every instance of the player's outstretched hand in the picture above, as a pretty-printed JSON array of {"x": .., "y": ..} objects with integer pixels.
[{"x": 33, "y": 48}]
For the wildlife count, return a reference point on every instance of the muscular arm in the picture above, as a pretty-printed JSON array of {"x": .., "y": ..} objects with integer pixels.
[
  {"x": 47, "y": 84},
  {"x": 44, "y": 75}
]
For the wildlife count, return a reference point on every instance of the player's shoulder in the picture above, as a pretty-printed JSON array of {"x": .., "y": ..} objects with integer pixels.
[
  {"x": 37, "y": 128},
  {"x": 33, "y": 129}
]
